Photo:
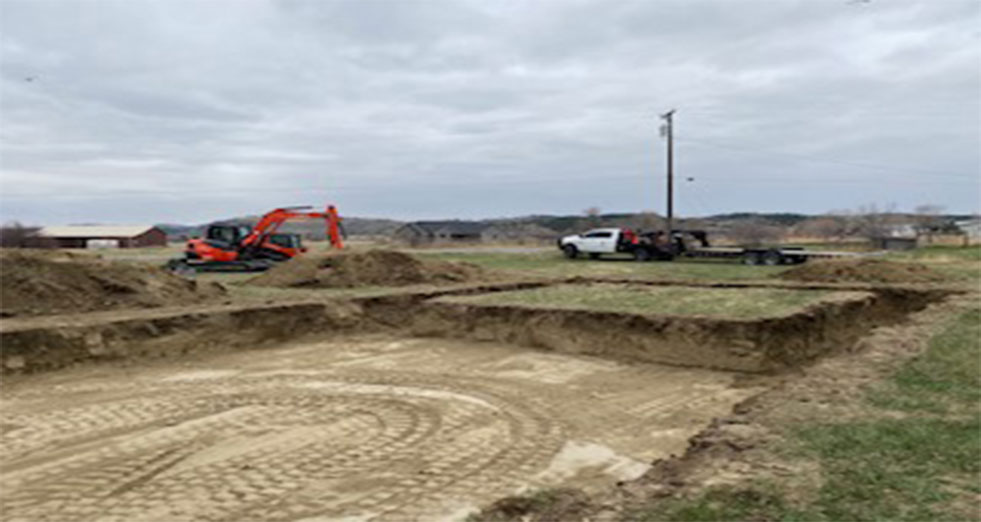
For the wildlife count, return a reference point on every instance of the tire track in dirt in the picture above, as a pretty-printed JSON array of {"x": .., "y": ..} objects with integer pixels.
[
  {"x": 374, "y": 428},
  {"x": 168, "y": 457}
]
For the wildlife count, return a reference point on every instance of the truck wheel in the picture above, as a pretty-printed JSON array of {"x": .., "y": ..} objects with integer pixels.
[
  {"x": 641, "y": 254},
  {"x": 772, "y": 258},
  {"x": 570, "y": 251}
]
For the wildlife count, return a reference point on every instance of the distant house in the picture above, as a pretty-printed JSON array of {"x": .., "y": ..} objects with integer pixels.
[
  {"x": 427, "y": 232},
  {"x": 902, "y": 230},
  {"x": 970, "y": 228},
  {"x": 99, "y": 236},
  {"x": 894, "y": 243}
]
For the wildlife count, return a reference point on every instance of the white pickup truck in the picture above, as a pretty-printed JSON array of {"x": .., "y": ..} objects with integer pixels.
[{"x": 599, "y": 241}]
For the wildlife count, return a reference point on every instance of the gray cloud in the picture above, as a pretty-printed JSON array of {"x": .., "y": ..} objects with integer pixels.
[{"x": 189, "y": 111}]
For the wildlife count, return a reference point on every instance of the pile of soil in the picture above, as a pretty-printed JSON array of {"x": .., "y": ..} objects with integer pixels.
[
  {"x": 51, "y": 282},
  {"x": 368, "y": 268},
  {"x": 862, "y": 271}
]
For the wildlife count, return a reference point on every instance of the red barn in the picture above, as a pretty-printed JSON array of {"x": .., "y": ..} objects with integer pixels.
[{"x": 102, "y": 236}]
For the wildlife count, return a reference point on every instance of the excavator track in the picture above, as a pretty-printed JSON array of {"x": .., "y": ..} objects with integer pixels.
[{"x": 183, "y": 266}]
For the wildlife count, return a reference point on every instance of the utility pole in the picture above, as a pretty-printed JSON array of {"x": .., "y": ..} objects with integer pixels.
[{"x": 667, "y": 130}]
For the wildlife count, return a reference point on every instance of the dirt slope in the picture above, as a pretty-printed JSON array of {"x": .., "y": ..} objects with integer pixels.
[
  {"x": 863, "y": 271},
  {"x": 369, "y": 268},
  {"x": 51, "y": 282}
]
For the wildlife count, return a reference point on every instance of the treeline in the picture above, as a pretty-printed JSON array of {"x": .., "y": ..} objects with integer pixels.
[
  {"x": 743, "y": 226},
  {"x": 746, "y": 226}
]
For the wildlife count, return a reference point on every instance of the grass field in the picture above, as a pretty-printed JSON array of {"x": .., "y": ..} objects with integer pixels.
[
  {"x": 554, "y": 265},
  {"x": 957, "y": 263},
  {"x": 960, "y": 264},
  {"x": 737, "y": 303},
  {"x": 916, "y": 456}
]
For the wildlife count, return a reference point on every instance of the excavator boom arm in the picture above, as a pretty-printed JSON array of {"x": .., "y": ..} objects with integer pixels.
[{"x": 272, "y": 220}]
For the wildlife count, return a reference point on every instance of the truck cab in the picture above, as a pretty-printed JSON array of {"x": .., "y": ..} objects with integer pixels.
[
  {"x": 642, "y": 246},
  {"x": 597, "y": 242}
]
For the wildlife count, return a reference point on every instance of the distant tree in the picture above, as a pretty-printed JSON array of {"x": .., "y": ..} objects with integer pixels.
[
  {"x": 755, "y": 232},
  {"x": 929, "y": 220},
  {"x": 830, "y": 227},
  {"x": 647, "y": 220},
  {"x": 593, "y": 217},
  {"x": 871, "y": 223},
  {"x": 15, "y": 235},
  {"x": 694, "y": 223}
]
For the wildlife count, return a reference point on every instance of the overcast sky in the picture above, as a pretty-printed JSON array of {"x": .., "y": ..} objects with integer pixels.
[{"x": 186, "y": 111}]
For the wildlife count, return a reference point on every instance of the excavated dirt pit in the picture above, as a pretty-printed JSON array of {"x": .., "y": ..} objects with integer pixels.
[
  {"x": 442, "y": 409},
  {"x": 766, "y": 344},
  {"x": 375, "y": 427}
]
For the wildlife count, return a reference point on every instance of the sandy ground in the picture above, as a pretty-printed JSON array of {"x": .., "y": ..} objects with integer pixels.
[{"x": 357, "y": 428}]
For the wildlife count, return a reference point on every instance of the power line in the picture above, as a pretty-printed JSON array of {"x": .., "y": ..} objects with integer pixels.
[
  {"x": 837, "y": 181},
  {"x": 630, "y": 177}
]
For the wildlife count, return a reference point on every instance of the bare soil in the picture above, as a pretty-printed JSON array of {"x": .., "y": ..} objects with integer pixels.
[
  {"x": 413, "y": 422},
  {"x": 51, "y": 282},
  {"x": 862, "y": 271},
  {"x": 367, "y": 427},
  {"x": 759, "y": 345},
  {"x": 368, "y": 268},
  {"x": 739, "y": 449}
]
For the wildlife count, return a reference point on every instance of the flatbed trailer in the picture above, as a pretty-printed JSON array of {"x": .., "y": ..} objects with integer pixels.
[
  {"x": 656, "y": 246},
  {"x": 763, "y": 256}
]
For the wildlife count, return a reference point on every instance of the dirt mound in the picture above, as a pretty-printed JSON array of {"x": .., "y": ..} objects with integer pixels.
[
  {"x": 862, "y": 271},
  {"x": 369, "y": 268},
  {"x": 46, "y": 283}
]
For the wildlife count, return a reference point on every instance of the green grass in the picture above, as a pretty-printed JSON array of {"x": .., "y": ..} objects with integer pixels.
[
  {"x": 945, "y": 379},
  {"x": 737, "y": 303},
  {"x": 916, "y": 457},
  {"x": 552, "y": 264},
  {"x": 896, "y": 469},
  {"x": 961, "y": 253},
  {"x": 264, "y": 293},
  {"x": 955, "y": 262},
  {"x": 722, "y": 503}
]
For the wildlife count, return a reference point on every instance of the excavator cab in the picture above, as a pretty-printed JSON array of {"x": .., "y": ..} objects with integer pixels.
[{"x": 226, "y": 237}]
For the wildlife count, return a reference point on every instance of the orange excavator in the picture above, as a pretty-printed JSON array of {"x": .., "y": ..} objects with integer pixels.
[{"x": 240, "y": 248}]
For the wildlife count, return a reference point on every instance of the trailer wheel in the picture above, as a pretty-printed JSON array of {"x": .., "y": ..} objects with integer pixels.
[
  {"x": 771, "y": 258},
  {"x": 752, "y": 258},
  {"x": 641, "y": 254},
  {"x": 570, "y": 251}
]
